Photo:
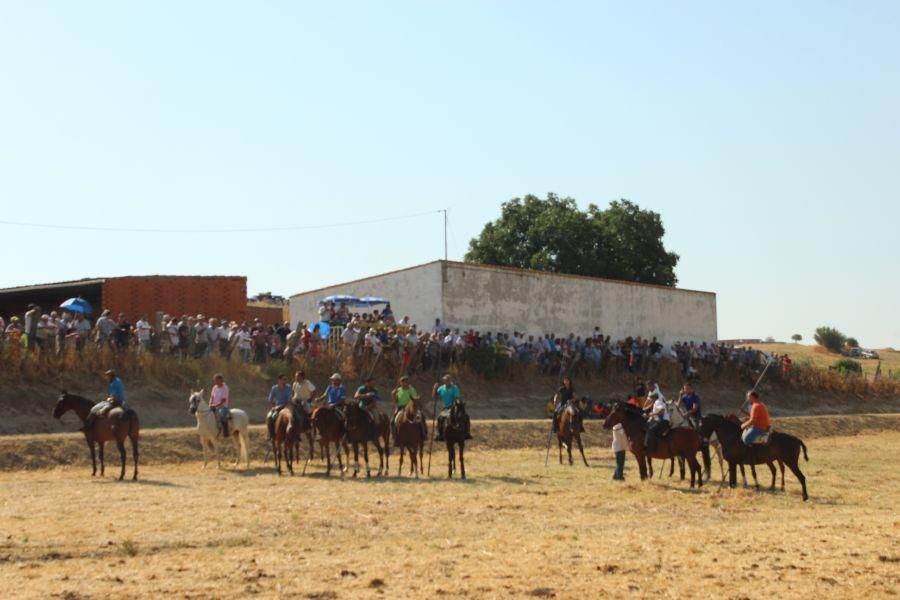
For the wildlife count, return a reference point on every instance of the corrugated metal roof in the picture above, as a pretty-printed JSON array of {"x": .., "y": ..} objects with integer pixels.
[{"x": 49, "y": 286}]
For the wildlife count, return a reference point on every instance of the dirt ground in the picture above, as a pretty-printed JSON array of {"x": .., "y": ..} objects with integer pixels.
[{"x": 513, "y": 529}]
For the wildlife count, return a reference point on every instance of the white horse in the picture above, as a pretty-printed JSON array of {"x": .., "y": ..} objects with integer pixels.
[{"x": 209, "y": 430}]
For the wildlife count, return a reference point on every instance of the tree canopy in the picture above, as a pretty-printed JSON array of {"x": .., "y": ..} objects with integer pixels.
[{"x": 553, "y": 234}]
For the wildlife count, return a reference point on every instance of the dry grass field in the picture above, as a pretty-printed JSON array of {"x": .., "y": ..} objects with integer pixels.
[
  {"x": 818, "y": 356},
  {"x": 514, "y": 529}
]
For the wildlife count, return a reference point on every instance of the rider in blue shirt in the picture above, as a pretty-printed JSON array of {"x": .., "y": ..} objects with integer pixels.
[
  {"x": 115, "y": 397},
  {"x": 690, "y": 401},
  {"x": 335, "y": 394},
  {"x": 449, "y": 394},
  {"x": 279, "y": 396}
]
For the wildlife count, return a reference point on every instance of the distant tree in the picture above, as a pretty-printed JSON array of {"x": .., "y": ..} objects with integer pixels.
[
  {"x": 851, "y": 342},
  {"x": 769, "y": 340},
  {"x": 797, "y": 337},
  {"x": 552, "y": 234},
  {"x": 831, "y": 338}
]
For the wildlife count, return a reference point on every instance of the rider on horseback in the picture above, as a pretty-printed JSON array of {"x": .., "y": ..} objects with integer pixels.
[
  {"x": 279, "y": 397},
  {"x": 403, "y": 395},
  {"x": 368, "y": 396},
  {"x": 690, "y": 403},
  {"x": 218, "y": 403},
  {"x": 302, "y": 391},
  {"x": 449, "y": 395},
  {"x": 334, "y": 396},
  {"x": 658, "y": 422},
  {"x": 757, "y": 426},
  {"x": 565, "y": 396},
  {"x": 115, "y": 396}
]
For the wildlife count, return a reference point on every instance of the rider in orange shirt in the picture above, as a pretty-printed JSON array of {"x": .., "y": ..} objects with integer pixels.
[{"x": 757, "y": 424}]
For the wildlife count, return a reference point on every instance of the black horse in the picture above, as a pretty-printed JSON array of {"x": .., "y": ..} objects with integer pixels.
[
  {"x": 454, "y": 430},
  {"x": 782, "y": 447}
]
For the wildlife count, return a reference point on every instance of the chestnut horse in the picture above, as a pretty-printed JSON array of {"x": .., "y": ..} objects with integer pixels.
[
  {"x": 116, "y": 425},
  {"x": 410, "y": 437},
  {"x": 331, "y": 431},
  {"x": 680, "y": 441},
  {"x": 360, "y": 431},
  {"x": 782, "y": 447},
  {"x": 569, "y": 429},
  {"x": 287, "y": 439}
]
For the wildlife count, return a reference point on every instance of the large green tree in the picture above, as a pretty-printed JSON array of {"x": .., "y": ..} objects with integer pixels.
[{"x": 552, "y": 234}]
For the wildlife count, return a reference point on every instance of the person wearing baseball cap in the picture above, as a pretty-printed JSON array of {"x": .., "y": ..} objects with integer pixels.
[
  {"x": 115, "y": 398},
  {"x": 334, "y": 395}
]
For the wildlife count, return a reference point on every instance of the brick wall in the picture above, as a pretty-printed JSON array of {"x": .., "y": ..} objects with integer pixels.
[{"x": 218, "y": 296}]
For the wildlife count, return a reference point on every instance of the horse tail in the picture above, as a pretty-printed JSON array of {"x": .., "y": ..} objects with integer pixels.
[
  {"x": 802, "y": 445},
  {"x": 134, "y": 424},
  {"x": 707, "y": 459},
  {"x": 244, "y": 439}
]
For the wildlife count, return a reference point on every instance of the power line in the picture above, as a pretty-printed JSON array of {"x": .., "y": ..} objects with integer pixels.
[{"x": 197, "y": 231}]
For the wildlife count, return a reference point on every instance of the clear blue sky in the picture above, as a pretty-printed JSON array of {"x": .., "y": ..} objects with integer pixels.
[{"x": 767, "y": 136}]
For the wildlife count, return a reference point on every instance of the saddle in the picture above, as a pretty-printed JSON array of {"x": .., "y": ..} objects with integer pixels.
[{"x": 762, "y": 440}]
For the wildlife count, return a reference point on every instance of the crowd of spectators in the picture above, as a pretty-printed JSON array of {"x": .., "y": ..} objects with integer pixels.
[{"x": 371, "y": 335}]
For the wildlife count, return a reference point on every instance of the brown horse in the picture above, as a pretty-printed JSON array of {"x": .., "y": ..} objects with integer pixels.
[
  {"x": 360, "y": 431},
  {"x": 116, "y": 425},
  {"x": 680, "y": 441},
  {"x": 410, "y": 437},
  {"x": 782, "y": 447},
  {"x": 569, "y": 429},
  {"x": 331, "y": 431},
  {"x": 454, "y": 431},
  {"x": 286, "y": 439}
]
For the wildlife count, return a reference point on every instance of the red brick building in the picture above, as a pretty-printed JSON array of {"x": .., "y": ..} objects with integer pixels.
[{"x": 213, "y": 296}]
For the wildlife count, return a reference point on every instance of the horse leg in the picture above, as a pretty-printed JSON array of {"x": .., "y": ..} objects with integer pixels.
[
  {"x": 772, "y": 468},
  {"x": 696, "y": 469},
  {"x": 462, "y": 459},
  {"x": 326, "y": 451},
  {"x": 414, "y": 462},
  {"x": 795, "y": 469},
  {"x": 276, "y": 454},
  {"x": 235, "y": 440},
  {"x": 732, "y": 473},
  {"x": 581, "y": 449},
  {"x": 134, "y": 451},
  {"x": 681, "y": 467},
  {"x": 743, "y": 475},
  {"x": 560, "y": 442},
  {"x": 569, "y": 445},
  {"x": 421, "y": 460},
  {"x": 355, "y": 458},
  {"x": 120, "y": 444},
  {"x": 451, "y": 458},
  {"x": 309, "y": 457},
  {"x": 642, "y": 465},
  {"x": 671, "y": 469},
  {"x": 755, "y": 480},
  {"x": 93, "y": 457},
  {"x": 100, "y": 447},
  {"x": 365, "y": 446},
  {"x": 400, "y": 468},
  {"x": 337, "y": 450},
  {"x": 781, "y": 467}
]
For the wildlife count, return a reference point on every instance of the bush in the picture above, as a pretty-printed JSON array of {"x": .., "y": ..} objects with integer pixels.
[
  {"x": 484, "y": 360},
  {"x": 848, "y": 366},
  {"x": 831, "y": 338},
  {"x": 851, "y": 342}
]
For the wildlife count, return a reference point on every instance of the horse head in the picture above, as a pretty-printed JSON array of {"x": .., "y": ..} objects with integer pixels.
[
  {"x": 709, "y": 424},
  {"x": 616, "y": 415},
  {"x": 194, "y": 402},
  {"x": 62, "y": 404}
]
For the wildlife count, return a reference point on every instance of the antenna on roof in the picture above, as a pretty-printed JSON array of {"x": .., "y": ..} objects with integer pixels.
[{"x": 445, "y": 233}]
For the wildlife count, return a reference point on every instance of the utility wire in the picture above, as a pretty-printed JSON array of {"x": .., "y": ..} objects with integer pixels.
[{"x": 197, "y": 231}]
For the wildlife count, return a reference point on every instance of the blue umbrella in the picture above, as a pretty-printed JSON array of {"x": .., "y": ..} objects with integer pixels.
[
  {"x": 338, "y": 298},
  {"x": 372, "y": 300},
  {"x": 79, "y": 305},
  {"x": 324, "y": 328}
]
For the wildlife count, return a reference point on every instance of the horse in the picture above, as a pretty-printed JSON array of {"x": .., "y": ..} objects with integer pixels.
[
  {"x": 781, "y": 447},
  {"x": 116, "y": 425},
  {"x": 360, "y": 431},
  {"x": 454, "y": 430},
  {"x": 568, "y": 429},
  {"x": 680, "y": 441},
  {"x": 331, "y": 431},
  {"x": 208, "y": 429},
  {"x": 286, "y": 439},
  {"x": 410, "y": 435},
  {"x": 679, "y": 419}
]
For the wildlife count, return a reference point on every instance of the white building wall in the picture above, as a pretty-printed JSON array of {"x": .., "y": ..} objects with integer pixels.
[
  {"x": 415, "y": 292},
  {"x": 488, "y": 298}
]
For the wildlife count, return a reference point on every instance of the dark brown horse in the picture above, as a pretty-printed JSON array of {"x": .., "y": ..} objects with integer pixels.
[
  {"x": 455, "y": 435},
  {"x": 331, "y": 431},
  {"x": 782, "y": 447},
  {"x": 569, "y": 430},
  {"x": 410, "y": 437},
  {"x": 360, "y": 431},
  {"x": 680, "y": 441},
  {"x": 117, "y": 425},
  {"x": 286, "y": 439}
]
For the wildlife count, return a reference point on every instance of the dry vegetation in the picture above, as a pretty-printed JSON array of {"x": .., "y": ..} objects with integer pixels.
[
  {"x": 515, "y": 529},
  {"x": 819, "y": 357}
]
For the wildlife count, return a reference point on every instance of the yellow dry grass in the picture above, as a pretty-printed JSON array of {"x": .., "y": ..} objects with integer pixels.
[
  {"x": 514, "y": 529},
  {"x": 819, "y": 357}
]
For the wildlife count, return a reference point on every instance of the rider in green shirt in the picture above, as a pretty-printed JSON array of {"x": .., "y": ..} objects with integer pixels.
[{"x": 403, "y": 395}]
